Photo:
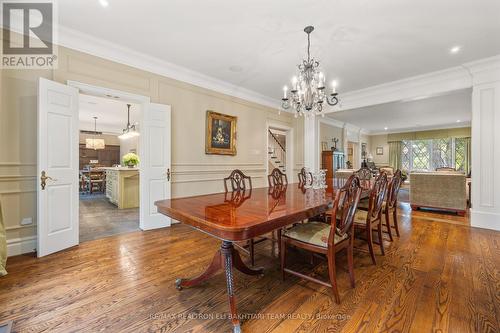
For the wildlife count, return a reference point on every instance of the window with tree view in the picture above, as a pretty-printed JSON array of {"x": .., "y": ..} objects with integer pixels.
[{"x": 429, "y": 154}]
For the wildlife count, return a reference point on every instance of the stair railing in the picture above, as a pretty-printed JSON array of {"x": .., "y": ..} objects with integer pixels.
[{"x": 277, "y": 150}]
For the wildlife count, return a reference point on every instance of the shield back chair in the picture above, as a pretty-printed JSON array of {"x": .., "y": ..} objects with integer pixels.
[
  {"x": 239, "y": 181},
  {"x": 391, "y": 205},
  {"x": 365, "y": 176},
  {"x": 371, "y": 220},
  {"x": 327, "y": 239},
  {"x": 277, "y": 178},
  {"x": 303, "y": 177}
]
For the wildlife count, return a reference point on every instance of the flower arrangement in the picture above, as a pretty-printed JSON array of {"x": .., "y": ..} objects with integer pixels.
[{"x": 130, "y": 159}]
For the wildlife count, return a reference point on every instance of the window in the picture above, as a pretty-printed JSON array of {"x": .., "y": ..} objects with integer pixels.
[{"x": 427, "y": 155}]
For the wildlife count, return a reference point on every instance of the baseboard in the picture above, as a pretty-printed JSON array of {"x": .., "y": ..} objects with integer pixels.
[
  {"x": 485, "y": 220},
  {"x": 23, "y": 245}
]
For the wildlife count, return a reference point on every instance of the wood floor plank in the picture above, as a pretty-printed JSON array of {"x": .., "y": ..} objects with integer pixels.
[{"x": 439, "y": 276}]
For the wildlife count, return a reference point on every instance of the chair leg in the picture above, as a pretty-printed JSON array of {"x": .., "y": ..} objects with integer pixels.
[
  {"x": 395, "y": 218},
  {"x": 350, "y": 259},
  {"x": 388, "y": 225},
  {"x": 380, "y": 239},
  {"x": 333, "y": 275},
  {"x": 369, "y": 239},
  {"x": 251, "y": 251},
  {"x": 279, "y": 242},
  {"x": 282, "y": 257}
]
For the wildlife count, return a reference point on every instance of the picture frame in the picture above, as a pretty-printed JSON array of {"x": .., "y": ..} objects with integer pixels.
[
  {"x": 220, "y": 138},
  {"x": 324, "y": 146},
  {"x": 349, "y": 151},
  {"x": 380, "y": 150}
]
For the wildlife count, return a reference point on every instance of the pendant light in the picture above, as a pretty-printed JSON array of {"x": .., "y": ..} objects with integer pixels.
[
  {"x": 94, "y": 143},
  {"x": 130, "y": 131}
]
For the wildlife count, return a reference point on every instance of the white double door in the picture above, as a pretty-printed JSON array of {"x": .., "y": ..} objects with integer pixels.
[{"x": 58, "y": 166}]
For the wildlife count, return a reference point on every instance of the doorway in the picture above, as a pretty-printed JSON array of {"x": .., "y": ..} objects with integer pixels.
[
  {"x": 279, "y": 148},
  {"x": 353, "y": 156},
  {"x": 109, "y": 131},
  {"x": 58, "y": 163}
]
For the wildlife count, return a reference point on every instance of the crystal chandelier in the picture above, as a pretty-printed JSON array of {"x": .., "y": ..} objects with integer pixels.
[{"x": 308, "y": 89}]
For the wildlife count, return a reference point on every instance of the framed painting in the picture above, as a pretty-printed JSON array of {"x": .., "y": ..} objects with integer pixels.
[
  {"x": 380, "y": 150},
  {"x": 220, "y": 134}
]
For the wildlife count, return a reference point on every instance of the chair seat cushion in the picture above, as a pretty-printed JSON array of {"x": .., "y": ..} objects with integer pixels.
[
  {"x": 363, "y": 204},
  {"x": 360, "y": 217},
  {"x": 315, "y": 233}
]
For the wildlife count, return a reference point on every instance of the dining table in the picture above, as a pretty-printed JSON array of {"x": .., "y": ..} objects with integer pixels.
[{"x": 240, "y": 216}]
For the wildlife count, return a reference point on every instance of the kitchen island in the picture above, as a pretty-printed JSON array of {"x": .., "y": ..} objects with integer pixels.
[{"x": 122, "y": 186}]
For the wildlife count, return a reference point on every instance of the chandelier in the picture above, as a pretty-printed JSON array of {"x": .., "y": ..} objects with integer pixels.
[
  {"x": 130, "y": 130},
  {"x": 94, "y": 143},
  {"x": 307, "y": 94}
]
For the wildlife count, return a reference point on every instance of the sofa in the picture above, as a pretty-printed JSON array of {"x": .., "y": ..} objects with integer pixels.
[{"x": 439, "y": 190}]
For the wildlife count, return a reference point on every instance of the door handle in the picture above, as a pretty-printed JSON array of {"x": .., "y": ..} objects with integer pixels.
[
  {"x": 168, "y": 174},
  {"x": 43, "y": 179}
]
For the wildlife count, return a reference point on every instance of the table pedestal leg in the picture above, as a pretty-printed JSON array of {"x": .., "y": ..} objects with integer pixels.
[{"x": 226, "y": 258}]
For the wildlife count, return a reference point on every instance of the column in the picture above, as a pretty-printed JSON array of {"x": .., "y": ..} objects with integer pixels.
[
  {"x": 311, "y": 143},
  {"x": 485, "y": 212}
]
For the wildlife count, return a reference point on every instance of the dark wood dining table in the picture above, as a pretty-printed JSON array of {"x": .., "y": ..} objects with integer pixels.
[{"x": 239, "y": 216}]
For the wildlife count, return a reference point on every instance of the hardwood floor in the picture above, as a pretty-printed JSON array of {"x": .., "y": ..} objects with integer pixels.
[
  {"x": 438, "y": 276},
  {"x": 99, "y": 218}
]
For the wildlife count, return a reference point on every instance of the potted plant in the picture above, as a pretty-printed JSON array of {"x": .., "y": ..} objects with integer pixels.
[{"x": 131, "y": 160}]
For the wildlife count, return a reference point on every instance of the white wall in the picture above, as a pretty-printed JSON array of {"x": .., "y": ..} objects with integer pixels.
[{"x": 128, "y": 145}]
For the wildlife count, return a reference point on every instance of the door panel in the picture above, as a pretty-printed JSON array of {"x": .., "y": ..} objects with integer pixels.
[
  {"x": 58, "y": 160},
  {"x": 155, "y": 162}
]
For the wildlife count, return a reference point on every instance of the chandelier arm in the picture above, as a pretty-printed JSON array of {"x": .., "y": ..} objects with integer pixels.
[{"x": 333, "y": 100}]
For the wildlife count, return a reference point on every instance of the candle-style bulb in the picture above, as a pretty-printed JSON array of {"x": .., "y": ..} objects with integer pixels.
[
  {"x": 334, "y": 86},
  {"x": 285, "y": 89}
]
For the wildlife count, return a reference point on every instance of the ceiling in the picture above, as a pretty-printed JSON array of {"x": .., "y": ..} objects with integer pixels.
[
  {"x": 434, "y": 112},
  {"x": 257, "y": 44},
  {"x": 112, "y": 114}
]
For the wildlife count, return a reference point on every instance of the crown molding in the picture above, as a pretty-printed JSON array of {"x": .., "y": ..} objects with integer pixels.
[
  {"x": 82, "y": 42},
  {"x": 423, "y": 128},
  {"x": 484, "y": 70},
  {"x": 423, "y": 86},
  {"x": 332, "y": 122}
]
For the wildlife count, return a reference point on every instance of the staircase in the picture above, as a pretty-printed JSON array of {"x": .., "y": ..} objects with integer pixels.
[{"x": 276, "y": 153}]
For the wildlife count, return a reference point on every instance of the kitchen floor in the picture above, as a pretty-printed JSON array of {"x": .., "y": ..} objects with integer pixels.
[{"x": 99, "y": 218}]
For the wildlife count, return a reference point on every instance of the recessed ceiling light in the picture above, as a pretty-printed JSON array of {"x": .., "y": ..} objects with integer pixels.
[
  {"x": 104, "y": 3},
  {"x": 236, "y": 69},
  {"x": 455, "y": 49},
  {"x": 385, "y": 128}
]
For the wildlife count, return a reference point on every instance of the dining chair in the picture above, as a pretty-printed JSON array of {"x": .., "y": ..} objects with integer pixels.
[
  {"x": 391, "y": 204},
  {"x": 303, "y": 177},
  {"x": 238, "y": 180},
  {"x": 365, "y": 176},
  {"x": 97, "y": 181},
  {"x": 240, "y": 184},
  {"x": 277, "y": 178},
  {"x": 327, "y": 239},
  {"x": 371, "y": 220}
]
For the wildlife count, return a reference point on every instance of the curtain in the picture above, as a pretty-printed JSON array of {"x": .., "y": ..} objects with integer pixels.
[
  {"x": 3, "y": 245},
  {"x": 395, "y": 154},
  {"x": 467, "y": 156}
]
